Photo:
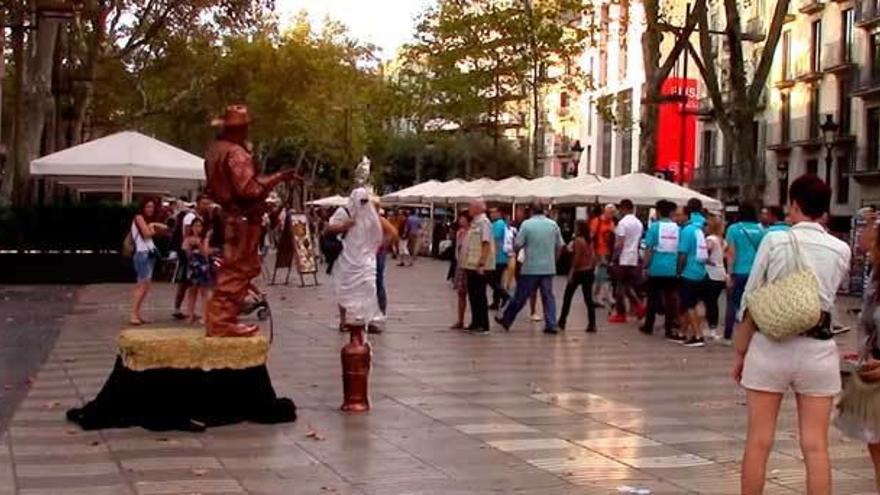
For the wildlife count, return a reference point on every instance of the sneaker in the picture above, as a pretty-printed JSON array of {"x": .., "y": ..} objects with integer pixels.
[
  {"x": 617, "y": 318},
  {"x": 561, "y": 325},
  {"x": 374, "y": 329},
  {"x": 479, "y": 331},
  {"x": 678, "y": 339},
  {"x": 591, "y": 329},
  {"x": 713, "y": 334},
  {"x": 177, "y": 315},
  {"x": 727, "y": 342},
  {"x": 645, "y": 330},
  {"x": 695, "y": 342},
  {"x": 536, "y": 317},
  {"x": 551, "y": 331}
]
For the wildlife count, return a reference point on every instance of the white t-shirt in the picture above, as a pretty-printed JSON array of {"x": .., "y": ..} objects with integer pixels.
[
  {"x": 630, "y": 229},
  {"x": 715, "y": 264},
  {"x": 188, "y": 219}
]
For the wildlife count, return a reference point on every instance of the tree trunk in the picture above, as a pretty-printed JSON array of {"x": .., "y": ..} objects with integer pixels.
[
  {"x": 37, "y": 99},
  {"x": 7, "y": 187},
  {"x": 748, "y": 171},
  {"x": 651, "y": 40}
]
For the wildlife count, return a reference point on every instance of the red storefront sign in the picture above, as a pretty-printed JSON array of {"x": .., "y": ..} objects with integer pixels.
[{"x": 672, "y": 129}]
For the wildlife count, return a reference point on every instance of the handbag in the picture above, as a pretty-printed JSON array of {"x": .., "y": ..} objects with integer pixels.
[{"x": 789, "y": 306}]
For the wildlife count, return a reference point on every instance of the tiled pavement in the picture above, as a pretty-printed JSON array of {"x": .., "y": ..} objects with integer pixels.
[{"x": 452, "y": 413}]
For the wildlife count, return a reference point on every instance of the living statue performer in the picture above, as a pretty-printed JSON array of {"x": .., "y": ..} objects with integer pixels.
[{"x": 233, "y": 181}]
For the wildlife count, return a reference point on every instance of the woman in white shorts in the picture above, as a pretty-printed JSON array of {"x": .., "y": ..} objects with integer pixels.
[{"x": 808, "y": 364}]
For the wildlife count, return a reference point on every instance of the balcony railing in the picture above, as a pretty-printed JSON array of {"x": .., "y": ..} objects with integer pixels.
[
  {"x": 836, "y": 58},
  {"x": 806, "y": 69},
  {"x": 755, "y": 28},
  {"x": 868, "y": 85},
  {"x": 811, "y": 6},
  {"x": 867, "y": 13},
  {"x": 713, "y": 177},
  {"x": 805, "y": 131}
]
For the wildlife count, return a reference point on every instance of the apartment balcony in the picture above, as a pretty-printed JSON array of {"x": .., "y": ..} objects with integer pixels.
[
  {"x": 755, "y": 29},
  {"x": 867, "y": 13},
  {"x": 807, "y": 70},
  {"x": 714, "y": 177},
  {"x": 866, "y": 169},
  {"x": 868, "y": 85},
  {"x": 779, "y": 138},
  {"x": 811, "y": 6},
  {"x": 836, "y": 59},
  {"x": 805, "y": 133}
]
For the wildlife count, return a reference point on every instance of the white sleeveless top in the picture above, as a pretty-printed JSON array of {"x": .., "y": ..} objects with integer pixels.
[{"x": 140, "y": 244}]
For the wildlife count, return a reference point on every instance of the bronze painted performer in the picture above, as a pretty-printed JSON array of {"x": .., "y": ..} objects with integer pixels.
[{"x": 233, "y": 181}]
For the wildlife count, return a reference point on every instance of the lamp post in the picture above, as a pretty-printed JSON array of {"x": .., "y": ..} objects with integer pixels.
[
  {"x": 577, "y": 149},
  {"x": 829, "y": 134},
  {"x": 782, "y": 176}
]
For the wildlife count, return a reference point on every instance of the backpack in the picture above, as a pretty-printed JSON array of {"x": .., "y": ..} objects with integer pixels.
[{"x": 331, "y": 246}]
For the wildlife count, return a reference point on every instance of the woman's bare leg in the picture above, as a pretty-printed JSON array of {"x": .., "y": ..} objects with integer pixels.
[
  {"x": 192, "y": 297},
  {"x": 814, "y": 415},
  {"x": 874, "y": 449},
  {"x": 763, "y": 409},
  {"x": 462, "y": 307},
  {"x": 140, "y": 293}
]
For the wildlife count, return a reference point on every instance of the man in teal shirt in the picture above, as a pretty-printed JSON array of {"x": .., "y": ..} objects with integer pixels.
[
  {"x": 661, "y": 256},
  {"x": 542, "y": 241},
  {"x": 692, "y": 256},
  {"x": 743, "y": 239},
  {"x": 775, "y": 219},
  {"x": 499, "y": 233}
]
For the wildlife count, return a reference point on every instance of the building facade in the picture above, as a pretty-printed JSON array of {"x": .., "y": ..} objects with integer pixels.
[{"x": 826, "y": 66}]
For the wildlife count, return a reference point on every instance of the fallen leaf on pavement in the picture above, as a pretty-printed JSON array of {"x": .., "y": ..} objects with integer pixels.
[
  {"x": 199, "y": 471},
  {"x": 69, "y": 360},
  {"x": 313, "y": 434}
]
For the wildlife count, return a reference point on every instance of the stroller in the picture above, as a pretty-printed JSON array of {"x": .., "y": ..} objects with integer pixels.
[{"x": 256, "y": 302}]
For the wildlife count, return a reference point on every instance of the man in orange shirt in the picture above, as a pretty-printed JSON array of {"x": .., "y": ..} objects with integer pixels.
[{"x": 602, "y": 234}]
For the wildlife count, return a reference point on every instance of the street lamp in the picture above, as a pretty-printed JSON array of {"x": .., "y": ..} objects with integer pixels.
[
  {"x": 782, "y": 176},
  {"x": 577, "y": 149},
  {"x": 829, "y": 134}
]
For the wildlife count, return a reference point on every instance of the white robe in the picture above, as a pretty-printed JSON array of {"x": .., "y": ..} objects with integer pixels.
[{"x": 354, "y": 272}]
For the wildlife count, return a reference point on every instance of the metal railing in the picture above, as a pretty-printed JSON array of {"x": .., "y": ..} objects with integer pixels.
[
  {"x": 867, "y": 11},
  {"x": 836, "y": 54},
  {"x": 869, "y": 79}
]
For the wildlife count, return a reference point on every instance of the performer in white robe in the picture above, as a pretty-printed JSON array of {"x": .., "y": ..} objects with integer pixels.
[{"x": 354, "y": 272}]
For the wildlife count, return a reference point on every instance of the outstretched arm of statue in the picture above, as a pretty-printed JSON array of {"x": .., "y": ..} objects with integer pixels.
[{"x": 247, "y": 183}]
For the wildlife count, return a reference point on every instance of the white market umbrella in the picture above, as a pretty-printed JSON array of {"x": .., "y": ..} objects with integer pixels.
[
  {"x": 642, "y": 189},
  {"x": 329, "y": 201},
  {"x": 540, "y": 189},
  {"x": 122, "y": 162},
  {"x": 412, "y": 194},
  {"x": 461, "y": 193},
  {"x": 502, "y": 191}
]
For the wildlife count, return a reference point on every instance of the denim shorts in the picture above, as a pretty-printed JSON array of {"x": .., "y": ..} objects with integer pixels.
[{"x": 143, "y": 266}]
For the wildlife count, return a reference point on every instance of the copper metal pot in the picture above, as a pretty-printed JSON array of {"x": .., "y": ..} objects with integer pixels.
[{"x": 356, "y": 357}]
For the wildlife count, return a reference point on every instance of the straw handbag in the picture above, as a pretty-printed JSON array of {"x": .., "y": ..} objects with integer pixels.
[{"x": 790, "y": 305}]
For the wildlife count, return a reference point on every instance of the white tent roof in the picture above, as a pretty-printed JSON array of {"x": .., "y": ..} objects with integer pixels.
[
  {"x": 642, "y": 189},
  {"x": 412, "y": 194},
  {"x": 504, "y": 190},
  {"x": 330, "y": 201},
  {"x": 125, "y": 154},
  {"x": 460, "y": 193},
  {"x": 570, "y": 188}
]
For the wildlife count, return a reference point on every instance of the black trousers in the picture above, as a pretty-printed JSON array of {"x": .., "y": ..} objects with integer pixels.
[
  {"x": 499, "y": 295},
  {"x": 714, "y": 288},
  {"x": 584, "y": 280},
  {"x": 662, "y": 297},
  {"x": 476, "y": 288}
]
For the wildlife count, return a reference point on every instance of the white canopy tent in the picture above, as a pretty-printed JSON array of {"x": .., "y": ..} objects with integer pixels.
[
  {"x": 412, "y": 194},
  {"x": 126, "y": 162},
  {"x": 642, "y": 189},
  {"x": 329, "y": 201},
  {"x": 460, "y": 193},
  {"x": 503, "y": 191}
]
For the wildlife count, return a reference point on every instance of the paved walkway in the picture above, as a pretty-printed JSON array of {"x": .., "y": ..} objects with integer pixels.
[{"x": 453, "y": 413}]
